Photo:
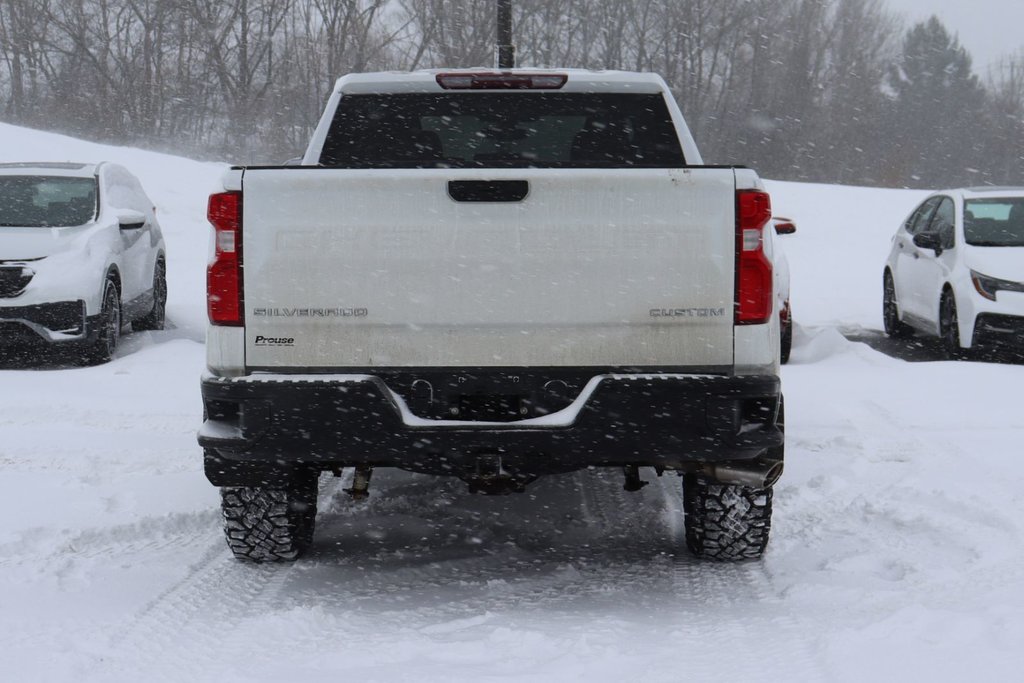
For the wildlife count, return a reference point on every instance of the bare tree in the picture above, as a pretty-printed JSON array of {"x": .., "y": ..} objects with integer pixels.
[
  {"x": 454, "y": 33},
  {"x": 24, "y": 25},
  {"x": 239, "y": 38},
  {"x": 800, "y": 89}
]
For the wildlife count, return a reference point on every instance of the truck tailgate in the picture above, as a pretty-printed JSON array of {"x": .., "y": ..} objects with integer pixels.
[{"x": 359, "y": 269}]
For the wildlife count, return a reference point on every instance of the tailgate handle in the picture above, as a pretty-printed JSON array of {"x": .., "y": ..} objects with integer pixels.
[{"x": 488, "y": 190}]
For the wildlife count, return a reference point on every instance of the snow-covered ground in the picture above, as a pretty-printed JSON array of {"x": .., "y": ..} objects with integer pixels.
[{"x": 897, "y": 551}]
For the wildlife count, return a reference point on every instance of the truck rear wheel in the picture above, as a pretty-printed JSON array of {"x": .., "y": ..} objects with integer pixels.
[
  {"x": 265, "y": 524},
  {"x": 726, "y": 522}
]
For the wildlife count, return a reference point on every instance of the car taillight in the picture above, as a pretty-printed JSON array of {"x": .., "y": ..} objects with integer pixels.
[
  {"x": 224, "y": 274},
  {"x": 501, "y": 81},
  {"x": 753, "y": 269}
]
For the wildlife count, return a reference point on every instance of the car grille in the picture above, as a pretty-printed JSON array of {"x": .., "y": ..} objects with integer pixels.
[
  {"x": 66, "y": 317},
  {"x": 14, "y": 280},
  {"x": 992, "y": 327}
]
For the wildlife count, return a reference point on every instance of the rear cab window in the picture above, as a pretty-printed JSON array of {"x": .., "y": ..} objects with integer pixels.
[{"x": 502, "y": 130}]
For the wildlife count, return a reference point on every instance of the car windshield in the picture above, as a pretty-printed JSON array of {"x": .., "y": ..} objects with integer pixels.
[
  {"x": 995, "y": 222},
  {"x": 502, "y": 130},
  {"x": 46, "y": 201}
]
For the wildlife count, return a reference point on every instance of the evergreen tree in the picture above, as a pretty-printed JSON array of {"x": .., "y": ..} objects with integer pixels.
[
  {"x": 938, "y": 104},
  {"x": 1005, "y": 124}
]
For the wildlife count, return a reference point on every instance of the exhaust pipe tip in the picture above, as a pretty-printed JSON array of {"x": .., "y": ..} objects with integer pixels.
[
  {"x": 758, "y": 474},
  {"x": 774, "y": 473}
]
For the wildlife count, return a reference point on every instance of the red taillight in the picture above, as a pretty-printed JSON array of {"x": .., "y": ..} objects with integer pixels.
[
  {"x": 224, "y": 275},
  {"x": 753, "y": 269},
  {"x": 501, "y": 81}
]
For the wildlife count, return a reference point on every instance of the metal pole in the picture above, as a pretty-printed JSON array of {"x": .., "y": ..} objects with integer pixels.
[{"x": 505, "y": 52}]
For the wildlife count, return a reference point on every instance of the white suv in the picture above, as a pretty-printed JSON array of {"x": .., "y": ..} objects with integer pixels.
[
  {"x": 81, "y": 254},
  {"x": 956, "y": 270}
]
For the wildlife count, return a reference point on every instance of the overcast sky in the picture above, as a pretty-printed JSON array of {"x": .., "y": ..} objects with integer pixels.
[{"x": 989, "y": 29}]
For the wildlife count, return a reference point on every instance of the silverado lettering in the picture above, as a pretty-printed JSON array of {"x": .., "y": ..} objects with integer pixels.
[{"x": 310, "y": 312}]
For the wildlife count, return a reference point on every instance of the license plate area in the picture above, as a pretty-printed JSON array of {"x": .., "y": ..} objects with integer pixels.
[
  {"x": 492, "y": 408},
  {"x": 486, "y": 396}
]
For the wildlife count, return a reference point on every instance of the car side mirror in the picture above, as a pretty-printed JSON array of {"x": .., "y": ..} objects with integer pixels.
[
  {"x": 929, "y": 240},
  {"x": 784, "y": 226},
  {"x": 128, "y": 219}
]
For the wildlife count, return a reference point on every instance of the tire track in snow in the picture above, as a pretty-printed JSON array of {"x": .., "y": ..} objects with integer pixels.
[
  {"x": 183, "y": 631},
  {"x": 703, "y": 601},
  {"x": 49, "y": 548},
  {"x": 735, "y": 603},
  {"x": 619, "y": 551},
  {"x": 178, "y": 634}
]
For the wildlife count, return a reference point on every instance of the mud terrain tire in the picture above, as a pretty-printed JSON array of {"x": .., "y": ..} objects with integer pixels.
[
  {"x": 269, "y": 524},
  {"x": 726, "y": 522}
]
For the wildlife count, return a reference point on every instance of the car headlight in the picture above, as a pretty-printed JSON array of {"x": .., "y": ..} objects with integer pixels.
[{"x": 988, "y": 286}]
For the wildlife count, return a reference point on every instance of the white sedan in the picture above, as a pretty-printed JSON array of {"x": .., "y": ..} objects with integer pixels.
[
  {"x": 81, "y": 255},
  {"x": 956, "y": 270}
]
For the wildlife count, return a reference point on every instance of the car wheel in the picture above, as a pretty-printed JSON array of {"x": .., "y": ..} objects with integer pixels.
[
  {"x": 726, "y": 522},
  {"x": 109, "y": 332},
  {"x": 894, "y": 327},
  {"x": 154, "y": 320},
  {"x": 264, "y": 524},
  {"x": 786, "y": 345},
  {"x": 949, "y": 327}
]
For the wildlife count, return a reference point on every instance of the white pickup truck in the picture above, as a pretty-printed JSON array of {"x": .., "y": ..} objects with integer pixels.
[{"x": 493, "y": 275}]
